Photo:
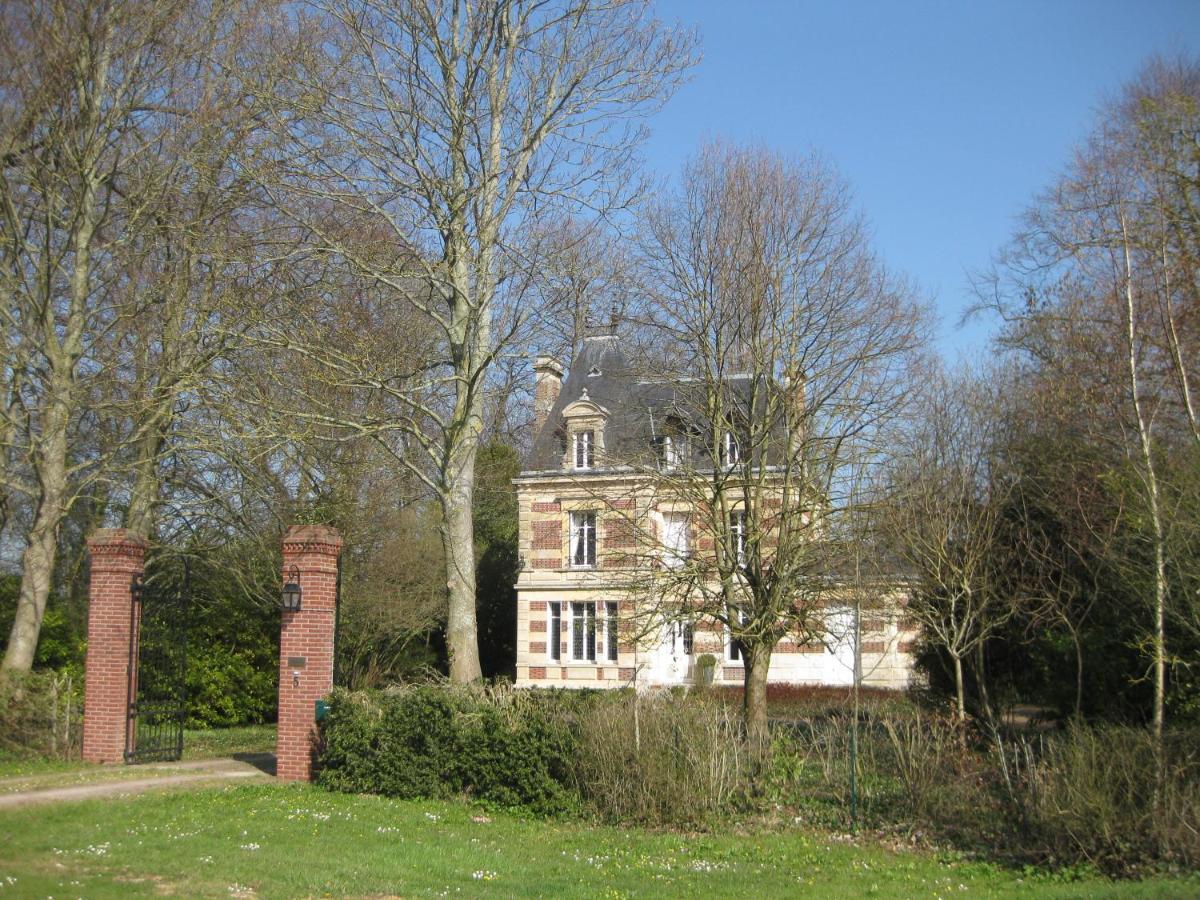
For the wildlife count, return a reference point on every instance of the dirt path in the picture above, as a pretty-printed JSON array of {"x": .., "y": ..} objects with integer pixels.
[{"x": 111, "y": 781}]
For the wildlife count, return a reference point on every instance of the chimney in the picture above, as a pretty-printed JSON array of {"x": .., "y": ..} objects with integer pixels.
[
  {"x": 796, "y": 410},
  {"x": 548, "y": 376}
]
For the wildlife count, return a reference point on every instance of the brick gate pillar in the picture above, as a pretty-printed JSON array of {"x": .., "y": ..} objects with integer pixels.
[
  {"x": 306, "y": 644},
  {"x": 117, "y": 557}
]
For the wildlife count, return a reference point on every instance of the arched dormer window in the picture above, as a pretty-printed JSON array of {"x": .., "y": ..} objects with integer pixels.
[{"x": 583, "y": 447}]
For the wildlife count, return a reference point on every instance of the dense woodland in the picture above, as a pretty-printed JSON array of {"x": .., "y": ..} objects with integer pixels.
[{"x": 265, "y": 264}]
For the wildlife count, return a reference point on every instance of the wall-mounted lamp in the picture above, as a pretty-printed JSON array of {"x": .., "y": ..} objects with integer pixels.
[{"x": 291, "y": 591}]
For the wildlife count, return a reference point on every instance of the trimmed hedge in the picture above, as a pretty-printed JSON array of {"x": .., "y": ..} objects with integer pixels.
[{"x": 435, "y": 741}]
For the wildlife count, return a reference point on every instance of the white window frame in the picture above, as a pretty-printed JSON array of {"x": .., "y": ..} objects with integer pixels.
[
  {"x": 554, "y": 631},
  {"x": 675, "y": 557},
  {"x": 733, "y": 649},
  {"x": 583, "y": 449},
  {"x": 583, "y": 527},
  {"x": 583, "y": 631},
  {"x": 674, "y": 449},
  {"x": 611, "y": 636},
  {"x": 731, "y": 450},
  {"x": 737, "y": 531}
]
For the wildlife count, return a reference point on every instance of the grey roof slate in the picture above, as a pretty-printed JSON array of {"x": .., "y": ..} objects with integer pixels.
[{"x": 640, "y": 404}]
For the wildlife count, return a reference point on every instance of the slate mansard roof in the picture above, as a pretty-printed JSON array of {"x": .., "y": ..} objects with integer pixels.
[{"x": 641, "y": 406}]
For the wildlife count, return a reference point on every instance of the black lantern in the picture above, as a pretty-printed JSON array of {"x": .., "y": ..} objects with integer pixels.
[{"x": 291, "y": 591}]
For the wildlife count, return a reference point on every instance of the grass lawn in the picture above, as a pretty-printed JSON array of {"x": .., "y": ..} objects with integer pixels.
[
  {"x": 18, "y": 772},
  {"x": 216, "y": 742},
  {"x": 292, "y": 841}
]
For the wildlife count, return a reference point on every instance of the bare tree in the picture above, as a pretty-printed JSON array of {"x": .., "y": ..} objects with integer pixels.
[
  {"x": 79, "y": 96},
  {"x": 945, "y": 517},
  {"x": 793, "y": 347},
  {"x": 443, "y": 131},
  {"x": 1096, "y": 287}
]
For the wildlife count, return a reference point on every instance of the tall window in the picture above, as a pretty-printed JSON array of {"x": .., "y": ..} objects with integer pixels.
[
  {"x": 688, "y": 638},
  {"x": 610, "y": 630},
  {"x": 731, "y": 452},
  {"x": 585, "y": 449},
  {"x": 675, "y": 539},
  {"x": 737, "y": 534},
  {"x": 736, "y": 650},
  {"x": 583, "y": 539},
  {"x": 554, "y": 638},
  {"x": 583, "y": 631}
]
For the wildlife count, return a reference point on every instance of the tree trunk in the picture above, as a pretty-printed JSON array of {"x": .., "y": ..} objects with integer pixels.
[
  {"x": 958, "y": 688},
  {"x": 985, "y": 700},
  {"x": 143, "y": 497},
  {"x": 1078, "y": 675},
  {"x": 458, "y": 545},
  {"x": 37, "y": 562},
  {"x": 1150, "y": 476},
  {"x": 757, "y": 661}
]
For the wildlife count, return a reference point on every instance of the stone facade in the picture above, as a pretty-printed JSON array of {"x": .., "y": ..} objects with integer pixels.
[
  {"x": 593, "y": 526},
  {"x": 627, "y": 514}
]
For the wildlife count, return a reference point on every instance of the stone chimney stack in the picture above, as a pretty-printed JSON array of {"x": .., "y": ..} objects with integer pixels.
[
  {"x": 796, "y": 387},
  {"x": 548, "y": 378}
]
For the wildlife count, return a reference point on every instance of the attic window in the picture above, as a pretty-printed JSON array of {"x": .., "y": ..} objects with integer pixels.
[
  {"x": 595, "y": 371},
  {"x": 585, "y": 442}
]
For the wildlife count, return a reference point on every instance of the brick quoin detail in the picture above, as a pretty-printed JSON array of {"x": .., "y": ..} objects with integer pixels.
[
  {"x": 543, "y": 506},
  {"x": 313, "y": 550},
  {"x": 537, "y": 625},
  {"x": 537, "y": 604},
  {"x": 117, "y": 556},
  {"x": 537, "y": 672},
  {"x": 537, "y": 646}
]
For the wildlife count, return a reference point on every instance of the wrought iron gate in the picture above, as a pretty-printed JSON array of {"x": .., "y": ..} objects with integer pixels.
[{"x": 157, "y": 667}]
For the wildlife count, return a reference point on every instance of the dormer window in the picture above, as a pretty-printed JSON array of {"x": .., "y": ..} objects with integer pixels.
[
  {"x": 584, "y": 449},
  {"x": 731, "y": 452},
  {"x": 673, "y": 450}
]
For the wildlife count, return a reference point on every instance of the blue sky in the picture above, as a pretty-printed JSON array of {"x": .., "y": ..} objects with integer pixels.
[{"x": 945, "y": 117}]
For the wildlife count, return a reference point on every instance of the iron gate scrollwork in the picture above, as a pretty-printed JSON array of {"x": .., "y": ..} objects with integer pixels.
[{"x": 157, "y": 666}]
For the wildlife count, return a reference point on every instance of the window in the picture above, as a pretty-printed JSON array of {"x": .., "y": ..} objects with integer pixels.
[
  {"x": 583, "y": 539},
  {"x": 610, "y": 630},
  {"x": 554, "y": 637},
  {"x": 585, "y": 449},
  {"x": 583, "y": 632},
  {"x": 736, "y": 651},
  {"x": 688, "y": 638},
  {"x": 731, "y": 452},
  {"x": 737, "y": 534},
  {"x": 675, "y": 539},
  {"x": 673, "y": 450}
]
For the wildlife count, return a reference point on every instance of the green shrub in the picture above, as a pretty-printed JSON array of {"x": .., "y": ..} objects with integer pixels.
[
  {"x": 41, "y": 713},
  {"x": 434, "y": 741},
  {"x": 661, "y": 758},
  {"x": 1090, "y": 794}
]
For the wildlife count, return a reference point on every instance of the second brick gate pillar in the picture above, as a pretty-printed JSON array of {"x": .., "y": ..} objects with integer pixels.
[{"x": 310, "y": 555}]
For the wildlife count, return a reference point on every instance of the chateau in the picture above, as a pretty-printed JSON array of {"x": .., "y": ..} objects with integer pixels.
[{"x": 595, "y": 527}]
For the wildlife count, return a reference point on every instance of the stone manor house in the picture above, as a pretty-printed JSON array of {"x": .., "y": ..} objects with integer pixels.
[{"x": 583, "y": 561}]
